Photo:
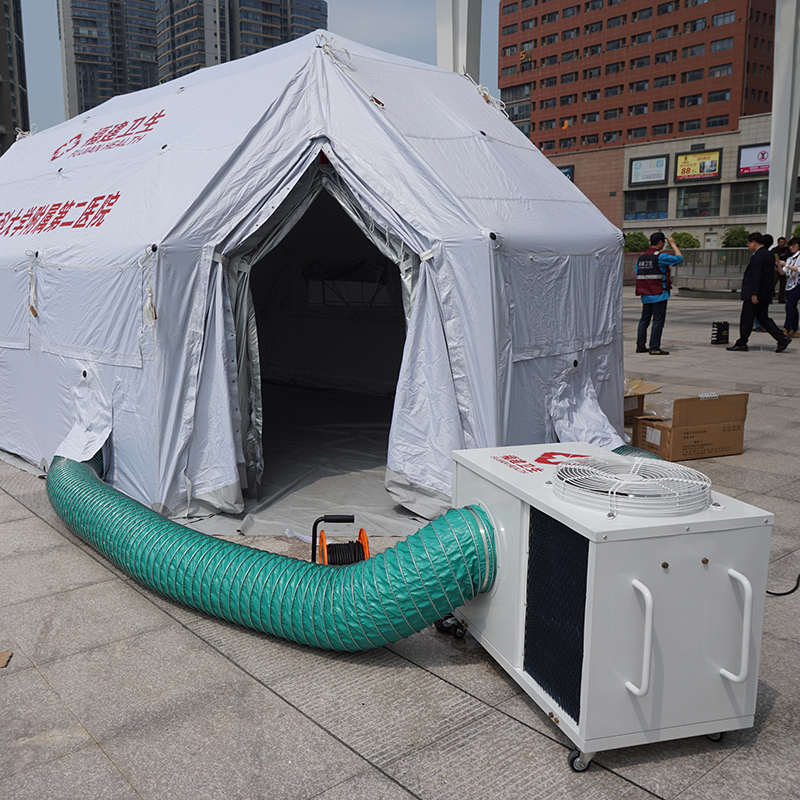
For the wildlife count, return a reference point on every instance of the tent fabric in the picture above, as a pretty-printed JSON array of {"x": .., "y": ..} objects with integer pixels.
[{"x": 118, "y": 228}]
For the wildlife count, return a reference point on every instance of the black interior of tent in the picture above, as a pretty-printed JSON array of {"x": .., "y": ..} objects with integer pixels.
[{"x": 331, "y": 329}]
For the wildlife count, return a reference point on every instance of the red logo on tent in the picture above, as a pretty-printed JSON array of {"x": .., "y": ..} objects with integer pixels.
[{"x": 108, "y": 137}]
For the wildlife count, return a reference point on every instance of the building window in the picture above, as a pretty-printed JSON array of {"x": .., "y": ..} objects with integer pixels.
[
  {"x": 520, "y": 92},
  {"x": 639, "y": 86},
  {"x": 613, "y": 91},
  {"x": 594, "y": 27},
  {"x": 641, "y": 38},
  {"x": 518, "y": 111},
  {"x": 512, "y": 70},
  {"x": 689, "y": 125},
  {"x": 612, "y": 113},
  {"x": 692, "y": 3},
  {"x": 637, "y": 133},
  {"x": 528, "y": 3},
  {"x": 661, "y": 130},
  {"x": 593, "y": 50},
  {"x": 568, "y": 99},
  {"x": 612, "y": 136},
  {"x": 614, "y": 22},
  {"x": 643, "y": 13},
  {"x": 691, "y": 100},
  {"x": 694, "y": 50},
  {"x": 594, "y": 116},
  {"x": 640, "y": 63},
  {"x": 546, "y": 83},
  {"x": 590, "y": 139},
  {"x": 528, "y": 24},
  {"x": 527, "y": 66},
  {"x": 647, "y": 204},
  {"x": 550, "y": 144},
  {"x": 549, "y": 103},
  {"x": 722, "y": 44},
  {"x": 664, "y": 80},
  {"x": 547, "y": 125},
  {"x": 698, "y": 201},
  {"x": 614, "y": 44},
  {"x": 549, "y": 61},
  {"x": 724, "y": 18},
  {"x": 663, "y": 105},
  {"x": 525, "y": 46},
  {"x": 569, "y": 77},
  {"x": 570, "y": 33},
  {"x": 640, "y": 108},
  {"x": 511, "y": 50},
  {"x": 551, "y": 38},
  {"x": 720, "y": 70},
  {"x": 719, "y": 96},
  {"x": 525, "y": 126},
  {"x": 569, "y": 55},
  {"x": 666, "y": 33},
  {"x": 509, "y": 29},
  {"x": 748, "y": 197},
  {"x": 594, "y": 94},
  {"x": 570, "y": 12},
  {"x": 594, "y": 72},
  {"x": 593, "y": 5},
  {"x": 667, "y": 8},
  {"x": 694, "y": 25},
  {"x": 570, "y": 142},
  {"x": 510, "y": 8},
  {"x": 692, "y": 75},
  {"x": 615, "y": 67},
  {"x": 720, "y": 121},
  {"x": 669, "y": 55},
  {"x": 551, "y": 17}
]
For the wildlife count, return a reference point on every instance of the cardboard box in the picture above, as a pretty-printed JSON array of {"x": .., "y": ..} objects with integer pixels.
[
  {"x": 635, "y": 392},
  {"x": 701, "y": 427}
]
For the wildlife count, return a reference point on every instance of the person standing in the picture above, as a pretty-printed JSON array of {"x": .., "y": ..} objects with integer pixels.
[
  {"x": 653, "y": 285},
  {"x": 790, "y": 267},
  {"x": 757, "y": 290},
  {"x": 781, "y": 253}
]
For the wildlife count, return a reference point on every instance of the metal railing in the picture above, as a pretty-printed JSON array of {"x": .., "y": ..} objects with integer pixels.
[{"x": 703, "y": 269}]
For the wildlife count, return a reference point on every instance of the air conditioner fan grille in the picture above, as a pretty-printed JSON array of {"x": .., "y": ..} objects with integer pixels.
[{"x": 620, "y": 485}]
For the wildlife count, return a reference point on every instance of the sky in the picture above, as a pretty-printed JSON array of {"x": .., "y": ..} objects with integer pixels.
[{"x": 403, "y": 27}]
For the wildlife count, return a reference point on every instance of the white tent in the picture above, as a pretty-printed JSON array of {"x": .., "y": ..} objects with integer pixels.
[{"x": 142, "y": 265}]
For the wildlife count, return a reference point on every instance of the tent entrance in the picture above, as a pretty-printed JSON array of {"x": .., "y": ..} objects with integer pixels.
[{"x": 329, "y": 304}]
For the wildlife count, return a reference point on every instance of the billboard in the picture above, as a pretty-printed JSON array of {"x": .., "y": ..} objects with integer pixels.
[
  {"x": 703, "y": 166},
  {"x": 753, "y": 160},
  {"x": 569, "y": 172},
  {"x": 643, "y": 171}
]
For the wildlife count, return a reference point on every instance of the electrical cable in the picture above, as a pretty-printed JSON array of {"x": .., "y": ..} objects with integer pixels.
[{"x": 783, "y": 594}]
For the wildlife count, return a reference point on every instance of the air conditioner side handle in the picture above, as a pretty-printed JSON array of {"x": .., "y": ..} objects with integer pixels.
[{"x": 642, "y": 690}]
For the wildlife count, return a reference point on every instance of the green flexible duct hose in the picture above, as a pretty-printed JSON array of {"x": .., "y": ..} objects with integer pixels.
[{"x": 356, "y": 607}]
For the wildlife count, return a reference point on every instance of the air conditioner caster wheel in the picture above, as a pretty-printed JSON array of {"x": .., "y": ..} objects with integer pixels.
[
  {"x": 576, "y": 763},
  {"x": 715, "y": 737}
]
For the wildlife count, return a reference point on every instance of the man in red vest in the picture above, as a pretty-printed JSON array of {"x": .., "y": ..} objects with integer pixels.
[{"x": 653, "y": 285}]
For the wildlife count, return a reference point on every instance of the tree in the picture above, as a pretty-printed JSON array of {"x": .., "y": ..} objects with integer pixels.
[
  {"x": 796, "y": 232},
  {"x": 636, "y": 242},
  {"x": 684, "y": 240},
  {"x": 735, "y": 237}
]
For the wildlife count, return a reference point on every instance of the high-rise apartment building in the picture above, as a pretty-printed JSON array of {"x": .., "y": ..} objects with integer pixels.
[
  {"x": 198, "y": 33},
  {"x": 108, "y": 47},
  {"x": 13, "y": 84},
  {"x": 580, "y": 76}
]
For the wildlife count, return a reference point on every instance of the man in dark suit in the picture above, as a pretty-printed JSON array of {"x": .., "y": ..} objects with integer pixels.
[{"x": 757, "y": 290}]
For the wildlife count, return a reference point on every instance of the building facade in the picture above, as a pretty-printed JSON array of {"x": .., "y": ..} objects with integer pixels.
[
  {"x": 13, "y": 83},
  {"x": 108, "y": 47},
  {"x": 586, "y": 75},
  {"x": 199, "y": 33}
]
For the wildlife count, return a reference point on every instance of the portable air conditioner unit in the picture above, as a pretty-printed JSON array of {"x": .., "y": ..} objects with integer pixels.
[{"x": 629, "y": 597}]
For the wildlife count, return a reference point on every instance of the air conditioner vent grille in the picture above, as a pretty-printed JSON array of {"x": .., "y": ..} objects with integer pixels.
[{"x": 643, "y": 486}]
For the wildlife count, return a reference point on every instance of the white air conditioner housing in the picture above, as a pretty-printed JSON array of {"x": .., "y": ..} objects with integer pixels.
[{"x": 629, "y": 597}]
